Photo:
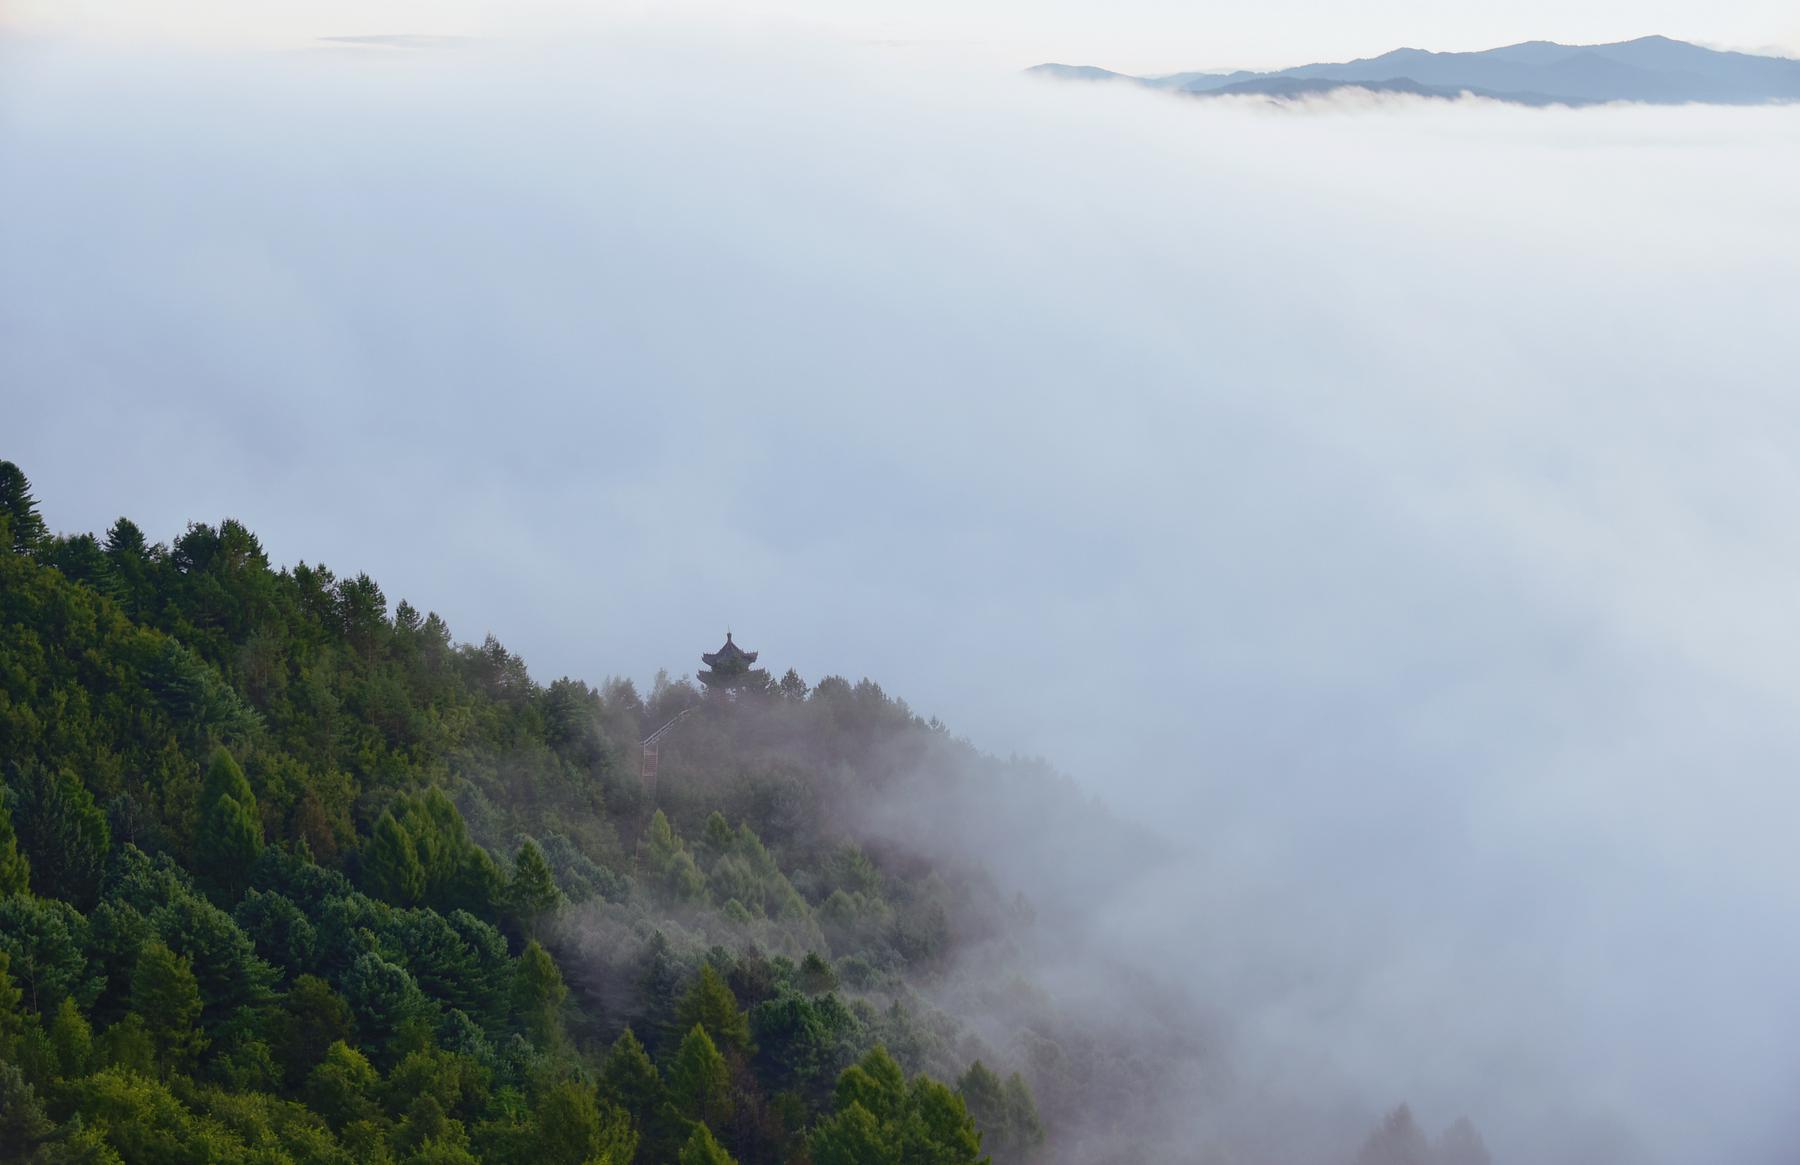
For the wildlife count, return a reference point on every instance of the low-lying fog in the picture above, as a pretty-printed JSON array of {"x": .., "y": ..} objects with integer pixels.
[{"x": 1395, "y": 503}]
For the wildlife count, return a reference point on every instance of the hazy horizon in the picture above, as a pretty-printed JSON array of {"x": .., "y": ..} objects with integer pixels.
[{"x": 1136, "y": 36}]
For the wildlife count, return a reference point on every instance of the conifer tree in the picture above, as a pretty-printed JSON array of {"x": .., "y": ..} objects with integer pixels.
[
  {"x": 224, "y": 778},
  {"x": 852, "y": 1136},
  {"x": 165, "y": 995},
  {"x": 62, "y": 832},
  {"x": 702, "y": 1149},
  {"x": 532, "y": 893},
  {"x": 71, "y": 1039},
  {"x": 1398, "y": 1141},
  {"x": 699, "y": 1082},
  {"x": 391, "y": 864},
  {"x": 710, "y": 1004},
  {"x": 12, "y": 1014},
  {"x": 342, "y": 1087},
  {"x": 538, "y": 993},
  {"x": 576, "y": 1128},
  {"x": 631, "y": 1079},
  {"x": 21, "y": 527},
  {"x": 229, "y": 841},
  {"x": 15, "y": 870}
]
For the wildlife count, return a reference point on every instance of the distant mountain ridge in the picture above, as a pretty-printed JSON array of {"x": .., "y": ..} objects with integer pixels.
[{"x": 1651, "y": 69}]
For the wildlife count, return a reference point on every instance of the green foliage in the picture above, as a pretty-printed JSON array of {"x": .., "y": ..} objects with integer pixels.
[
  {"x": 1005, "y": 1112},
  {"x": 531, "y": 893},
  {"x": 710, "y": 1004},
  {"x": 572, "y": 1126},
  {"x": 231, "y": 835},
  {"x": 72, "y": 1039},
  {"x": 15, "y": 868},
  {"x": 385, "y": 1001},
  {"x": 631, "y": 1079},
  {"x": 853, "y": 1136},
  {"x": 699, "y": 1082},
  {"x": 44, "y": 940},
  {"x": 13, "y": 1017},
  {"x": 249, "y": 912},
  {"x": 391, "y": 866},
  {"x": 668, "y": 865},
  {"x": 22, "y": 529},
  {"x": 802, "y": 1044},
  {"x": 166, "y": 996},
  {"x": 63, "y": 833},
  {"x": 702, "y": 1149},
  {"x": 538, "y": 993},
  {"x": 880, "y": 1118},
  {"x": 278, "y": 929},
  {"x": 311, "y": 1019},
  {"x": 342, "y": 1086},
  {"x": 23, "y": 1123}
]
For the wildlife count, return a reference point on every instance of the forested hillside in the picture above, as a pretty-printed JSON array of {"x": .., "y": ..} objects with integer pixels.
[{"x": 288, "y": 874}]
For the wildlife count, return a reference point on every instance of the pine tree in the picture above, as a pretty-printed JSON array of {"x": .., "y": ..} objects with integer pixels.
[
  {"x": 342, "y": 1087},
  {"x": 702, "y": 1149},
  {"x": 538, "y": 994},
  {"x": 224, "y": 778},
  {"x": 72, "y": 1040},
  {"x": 391, "y": 864},
  {"x": 12, "y": 1012},
  {"x": 532, "y": 894},
  {"x": 1461, "y": 1145},
  {"x": 165, "y": 995},
  {"x": 710, "y": 1004},
  {"x": 852, "y": 1136},
  {"x": 1397, "y": 1142},
  {"x": 576, "y": 1128},
  {"x": 875, "y": 1082},
  {"x": 15, "y": 870},
  {"x": 22, "y": 530},
  {"x": 699, "y": 1082},
  {"x": 231, "y": 835},
  {"x": 630, "y": 1078},
  {"x": 229, "y": 842},
  {"x": 63, "y": 833},
  {"x": 385, "y": 1000}
]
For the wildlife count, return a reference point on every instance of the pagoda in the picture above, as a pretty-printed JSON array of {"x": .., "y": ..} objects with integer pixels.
[{"x": 729, "y": 669}]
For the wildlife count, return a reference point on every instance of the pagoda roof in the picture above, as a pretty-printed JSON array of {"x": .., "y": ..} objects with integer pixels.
[{"x": 728, "y": 654}]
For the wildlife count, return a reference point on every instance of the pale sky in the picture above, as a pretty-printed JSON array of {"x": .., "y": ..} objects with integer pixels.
[{"x": 1132, "y": 35}]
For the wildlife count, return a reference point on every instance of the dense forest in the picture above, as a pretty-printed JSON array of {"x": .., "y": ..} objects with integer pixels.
[{"x": 287, "y": 874}]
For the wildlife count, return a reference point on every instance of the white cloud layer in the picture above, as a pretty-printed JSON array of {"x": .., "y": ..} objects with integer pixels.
[{"x": 1396, "y": 503}]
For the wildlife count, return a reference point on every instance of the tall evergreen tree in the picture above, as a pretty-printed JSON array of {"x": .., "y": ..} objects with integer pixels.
[
  {"x": 531, "y": 894},
  {"x": 166, "y": 997},
  {"x": 63, "y": 833},
  {"x": 710, "y": 1004},
  {"x": 631, "y": 1079},
  {"x": 391, "y": 864},
  {"x": 702, "y": 1149},
  {"x": 538, "y": 993},
  {"x": 1398, "y": 1141},
  {"x": 21, "y": 527},
  {"x": 227, "y": 846},
  {"x": 699, "y": 1082},
  {"x": 15, "y": 869}
]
